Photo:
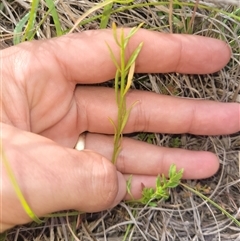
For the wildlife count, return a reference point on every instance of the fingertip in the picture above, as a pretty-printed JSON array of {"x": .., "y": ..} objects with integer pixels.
[
  {"x": 121, "y": 189},
  {"x": 203, "y": 55},
  {"x": 221, "y": 53},
  {"x": 214, "y": 164},
  {"x": 204, "y": 166}
]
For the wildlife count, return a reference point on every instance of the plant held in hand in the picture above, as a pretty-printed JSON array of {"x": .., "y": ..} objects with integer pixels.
[{"x": 123, "y": 81}]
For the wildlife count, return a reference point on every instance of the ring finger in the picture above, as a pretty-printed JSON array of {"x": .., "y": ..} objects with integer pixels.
[{"x": 140, "y": 158}]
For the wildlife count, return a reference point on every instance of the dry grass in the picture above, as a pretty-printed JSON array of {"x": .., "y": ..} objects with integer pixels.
[{"x": 185, "y": 216}]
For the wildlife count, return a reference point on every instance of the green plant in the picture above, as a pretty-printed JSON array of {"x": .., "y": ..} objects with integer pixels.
[
  {"x": 177, "y": 5},
  {"x": 29, "y": 20},
  {"x": 175, "y": 142},
  {"x": 150, "y": 196},
  {"x": 123, "y": 80},
  {"x": 107, "y": 5},
  {"x": 147, "y": 137},
  {"x": 106, "y": 15},
  {"x": 16, "y": 187}
]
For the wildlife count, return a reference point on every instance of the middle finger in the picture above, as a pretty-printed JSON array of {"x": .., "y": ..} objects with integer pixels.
[{"x": 155, "y": 113}]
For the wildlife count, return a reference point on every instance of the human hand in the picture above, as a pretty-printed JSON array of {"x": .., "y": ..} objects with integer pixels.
[{"x": 43, "y": 113}]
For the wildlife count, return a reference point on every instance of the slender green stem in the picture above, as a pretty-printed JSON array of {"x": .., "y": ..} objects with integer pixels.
[
  {"x": 123, "y": 71},
  {"x": 16, "y": 187},
  {"x": 213, "y": 203}
]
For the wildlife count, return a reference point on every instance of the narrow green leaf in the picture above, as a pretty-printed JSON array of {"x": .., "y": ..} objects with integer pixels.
[
  {"x": 129, "y": 79},
  {"x": 114, "y": 28},
  {"x": 129, "y": 182},
  {"x": 18, "y": 30},
  {"x": 148, "y": 192},
  {"x": 106, "y": 15},
  {"x": 158, "y": 182},
  {"x": 53, "y": 11},
  {"x": 134, "y": 30},
  {"x": 172, "y": 170},
  {"x": 122, "y": 40},
  {"x": 172, "y": 184},
  {"x": 31, "y": 21},
  {"x": 93, "y": 9},
  {"x": 40, "y": 24},
  {"x": 17, "y": 189},
  {"x": 129, "y": 185},
  {"x": 113, "y": 58},
  {"x": 126, "y": 116},
  {"x": 113, "y": 124},
  {"x": 131, "y": 33},
  {"x": 114, "y": 160},
  {"x": 134, "y": 56},
  {"x": 152, "y": 204},
  {"x": 107, "y": 12},
  {"x": 124, "y": 121},
  {"x": 177, "y": 176}
]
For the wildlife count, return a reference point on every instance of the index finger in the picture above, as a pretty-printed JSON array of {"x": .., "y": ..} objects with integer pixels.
[{"x": 84, "y": 57}]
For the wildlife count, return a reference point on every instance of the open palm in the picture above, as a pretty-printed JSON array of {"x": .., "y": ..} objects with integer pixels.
[{"x": 44, "y": 109}]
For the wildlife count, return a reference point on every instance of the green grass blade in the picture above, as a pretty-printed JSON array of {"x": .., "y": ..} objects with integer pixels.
[
  {"x": 17, "y": 189},
  {"x": 106, "y": 15},
  {"x": 82, "y": 21},
  {"x": 19, "y": 29},
  {"x": 213, "y": 203},
  {"x": 90, "y": 11},
  {"x": 93, "y": 9},
  {"x": 52, "y": 8},
  {"x": 107, "y": 10},
  {"x": 29, "y": 32}
]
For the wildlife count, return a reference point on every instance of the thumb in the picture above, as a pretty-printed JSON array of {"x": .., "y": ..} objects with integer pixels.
[{"x": 54, "y": 178}]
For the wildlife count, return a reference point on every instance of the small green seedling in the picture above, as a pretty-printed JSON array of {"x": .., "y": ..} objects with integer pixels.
[
  {"x": 150, "y": 196},
  {"x": 123, "y": 81}
]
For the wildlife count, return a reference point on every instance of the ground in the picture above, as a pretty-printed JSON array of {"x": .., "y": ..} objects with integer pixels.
[{"x": 184, "y": 216}]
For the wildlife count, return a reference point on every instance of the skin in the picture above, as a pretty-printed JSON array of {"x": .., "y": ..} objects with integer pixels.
[{"x": 43, "y": 113}]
